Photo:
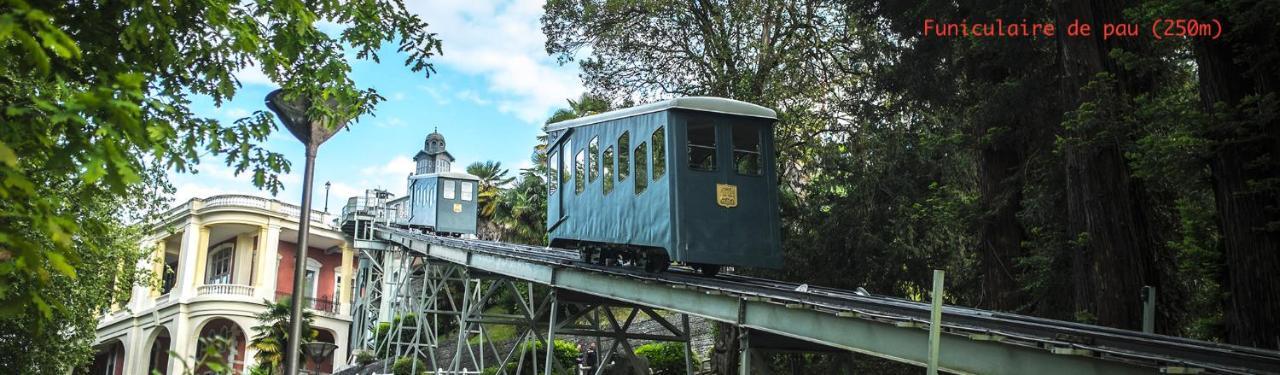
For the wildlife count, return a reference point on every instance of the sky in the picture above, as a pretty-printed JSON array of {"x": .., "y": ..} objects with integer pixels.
[{"x": 493, "y": 88}]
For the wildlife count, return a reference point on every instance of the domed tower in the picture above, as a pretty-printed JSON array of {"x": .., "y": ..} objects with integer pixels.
[{"x": 433, "y": 158}]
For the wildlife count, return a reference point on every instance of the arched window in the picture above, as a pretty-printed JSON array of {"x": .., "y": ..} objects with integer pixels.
[
  {"x": 218, "y": 269},
  {"x": 312, "y": 277}
]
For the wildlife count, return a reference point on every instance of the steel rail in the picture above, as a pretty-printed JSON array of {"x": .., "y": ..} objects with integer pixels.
[{"x": 1101, "y": 342}]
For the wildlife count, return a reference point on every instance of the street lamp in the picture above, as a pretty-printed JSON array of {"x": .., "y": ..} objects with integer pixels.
[
  {"x": 312, "y": 132},
  {"x": 318, "y": 351},
  {"x": 326, "y": 197}
]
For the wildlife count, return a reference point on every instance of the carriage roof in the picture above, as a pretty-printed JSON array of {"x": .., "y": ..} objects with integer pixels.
[
  {"x": 453, "y": 175},
  {"x": 695, "y": 103}
]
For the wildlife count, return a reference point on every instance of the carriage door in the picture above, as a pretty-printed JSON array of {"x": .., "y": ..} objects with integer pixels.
[{"x": 723, "y": 190}]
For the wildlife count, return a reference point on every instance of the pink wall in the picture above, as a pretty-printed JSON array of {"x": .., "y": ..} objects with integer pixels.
[{"x": 328, "y": 264}]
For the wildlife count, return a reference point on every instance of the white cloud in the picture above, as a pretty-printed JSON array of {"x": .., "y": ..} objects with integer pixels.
[
  {"x": 502, "y": 42},
  {"x": 237, "y": 113},
  {"x": 471, "y": 96},
  {"x": 392, "y": 122},
  {"x": 253, "y": 75},
  {"x": 437, "y": 93}
]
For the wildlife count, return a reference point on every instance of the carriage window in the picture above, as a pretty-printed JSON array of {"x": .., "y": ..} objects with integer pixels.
[
  {"x": 642, "y": 168},
  {"x": 554, "y": 163},
  {"x": 564, "y": 163},
  {"x": 578, "y": 169},
  {"x": 702, "y": 146},
  {"x": 746, "y": 151},
  {"x": 624, "y": 160},
  {"x": 466, "y": 190},
  {"x": 593, "y": 159},
  {"x": 448, "y": 189},
  {"x": 659, "y": 141},
  {"x": 608, "y": 169}
]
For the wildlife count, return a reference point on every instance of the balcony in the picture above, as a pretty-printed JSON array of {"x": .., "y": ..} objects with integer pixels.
[
  {"x": 323, "y": 305},
  {"x": 225, "y": 289},
  {"x": 287, "y": 210}
]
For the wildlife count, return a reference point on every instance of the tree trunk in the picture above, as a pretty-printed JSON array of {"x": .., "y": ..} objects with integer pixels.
[
  {"x": 724, "y": 355},
  {"x": 1000, "y": 233},
  {"x": 1243, "y": 157},
  {"x": 1108, "y": 212}
]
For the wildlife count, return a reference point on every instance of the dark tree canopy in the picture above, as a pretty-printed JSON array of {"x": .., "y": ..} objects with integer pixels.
[{"x": 1053, "y": 176}]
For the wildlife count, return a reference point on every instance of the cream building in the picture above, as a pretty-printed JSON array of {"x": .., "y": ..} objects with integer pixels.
[{"x": 220, "y": 258}]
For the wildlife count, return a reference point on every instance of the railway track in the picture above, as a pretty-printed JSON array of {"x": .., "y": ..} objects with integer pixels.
[{"x": 1170, "y": 354}]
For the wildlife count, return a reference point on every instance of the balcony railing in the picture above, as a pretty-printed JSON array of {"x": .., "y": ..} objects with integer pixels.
[
  {"x": 225, "y": 289},
  {"x": 323, "y": 304},
  {"x": 291, "y": 211}
]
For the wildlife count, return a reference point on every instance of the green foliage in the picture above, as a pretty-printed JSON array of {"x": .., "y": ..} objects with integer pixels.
[
  {"x": 407, "y": 365},
  {"x": 493, "y": 177},
  {"x": 520, "y": 212},
  {"x": 665, "y": 358},
  {"x": 271, "y": 335},
  {"x": 900, "y": 154},
  {"x": 566, "y": 354},
  {"x": 94, "y": 114},
  {"x": 209, "y": 359},
  {"x": 32, "y": 342},
  {"x": 366, "y": 357}
]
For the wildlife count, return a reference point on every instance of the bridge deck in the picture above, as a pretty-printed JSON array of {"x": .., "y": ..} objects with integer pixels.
[{"x": 974, "y": 341}]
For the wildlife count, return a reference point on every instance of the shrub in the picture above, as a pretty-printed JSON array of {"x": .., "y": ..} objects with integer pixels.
[
  {"x": 665, "y": 358},
  {"x": 365, "y": 357},
  {"x": 405, "y": 366},
  {"x": 566, "y": 353}
]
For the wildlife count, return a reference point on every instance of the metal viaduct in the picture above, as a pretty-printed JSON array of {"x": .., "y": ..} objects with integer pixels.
[{"x": 450, "y": 282}]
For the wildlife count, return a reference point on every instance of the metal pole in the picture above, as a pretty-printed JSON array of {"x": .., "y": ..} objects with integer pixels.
[
  {"x": 300, "y": 264},
  {"x": 551, "y": 333},
  {"x": 1148, "y": 309},
  {"x": 935, "y": 322},
  {"x": 744, "y": 341}
]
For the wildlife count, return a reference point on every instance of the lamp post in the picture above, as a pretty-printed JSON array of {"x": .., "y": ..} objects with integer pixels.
[
  {"x": 312, "y": 132},
  {"x": 326, "y": 197},
  {"x": 318, "y": 351}
]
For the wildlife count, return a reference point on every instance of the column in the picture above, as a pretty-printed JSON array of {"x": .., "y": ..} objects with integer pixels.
[
  {"x": 268, "y": 250},
  {"x": 181, "y": 341},
  {"x": 202, "y": 256},
  {"x": 242, "y": 261},
  {"x": 157, "y": 268},
  {"x": 184, "y": 285},
  {"x": 344, "y": 295}
]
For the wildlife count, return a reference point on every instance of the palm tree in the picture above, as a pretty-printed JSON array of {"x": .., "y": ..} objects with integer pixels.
[
  {"x": 519, "y": 214},
  {"x": 492, "y": 178},
  {"x": 586, "y": 105},
  {"x": 272, "y": 335}
]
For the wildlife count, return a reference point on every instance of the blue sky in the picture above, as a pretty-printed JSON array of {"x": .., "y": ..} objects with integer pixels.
[{"x": 493, "y": 87}]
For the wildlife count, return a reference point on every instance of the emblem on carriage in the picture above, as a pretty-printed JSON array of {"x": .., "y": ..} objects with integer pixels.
[
  {"x": 457, "y": 207},
  {"x": 727, "y": 195}
]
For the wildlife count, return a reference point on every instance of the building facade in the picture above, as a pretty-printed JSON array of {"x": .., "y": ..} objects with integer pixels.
[{"x": 219, "y": 261}]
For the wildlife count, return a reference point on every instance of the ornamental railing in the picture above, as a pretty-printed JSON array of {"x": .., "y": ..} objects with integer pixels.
[
  {"x": 322, "y": 304},
  {"x": 288, "y": 210},
  {"x": 225, "y": 289}
]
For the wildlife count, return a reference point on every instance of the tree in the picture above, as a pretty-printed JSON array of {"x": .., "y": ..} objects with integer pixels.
[
  {"x": 492, "y": 178},
  {"x": 96, "y": 113},
  {"x": 271, "y": 335},
  {"x": 1238, "y": 91}
]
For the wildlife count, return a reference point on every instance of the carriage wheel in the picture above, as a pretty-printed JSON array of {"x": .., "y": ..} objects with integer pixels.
[
  {"x": 706, "y": 269},
  {"x": 656, "y": 260}
]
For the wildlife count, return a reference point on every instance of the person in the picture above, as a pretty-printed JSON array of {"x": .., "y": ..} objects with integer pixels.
[
  {"x": 582, "y": 356},
  {"x": 589, "y": 359}
]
